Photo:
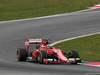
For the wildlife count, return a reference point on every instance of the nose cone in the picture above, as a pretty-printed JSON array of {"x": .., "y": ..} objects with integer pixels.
[{"x": 62, "y": 57}]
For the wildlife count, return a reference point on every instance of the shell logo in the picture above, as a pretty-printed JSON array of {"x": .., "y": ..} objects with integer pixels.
[
  {"x": 33, "y": 54},
  {"x": 47, "y": 51}
]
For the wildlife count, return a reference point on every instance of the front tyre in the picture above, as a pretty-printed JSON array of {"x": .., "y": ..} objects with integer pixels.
[
  {"x": 73, "y": 54},
  {"x": 22, "y": 54},
  {"x": 41, "y": 55}
]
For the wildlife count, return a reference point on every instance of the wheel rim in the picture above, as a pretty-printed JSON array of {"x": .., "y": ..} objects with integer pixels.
[{"x": 38, "y": 58}]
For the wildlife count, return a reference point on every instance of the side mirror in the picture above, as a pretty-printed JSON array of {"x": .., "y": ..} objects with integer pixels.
[{"x": 59, "y": 46}]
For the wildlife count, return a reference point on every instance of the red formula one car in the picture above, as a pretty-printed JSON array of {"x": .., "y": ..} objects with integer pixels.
[{"x": 44, "y": 53}]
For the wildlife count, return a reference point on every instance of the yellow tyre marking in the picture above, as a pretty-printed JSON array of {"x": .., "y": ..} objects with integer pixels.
[
  {"x": 19, "y": 54},
  {"x": 70, "y": 52},
  {"x": 41, "y": 56}
]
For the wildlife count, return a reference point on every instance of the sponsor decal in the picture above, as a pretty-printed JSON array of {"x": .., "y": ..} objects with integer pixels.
[
  {"x": 77, "y": 58},
  {"x": 33, "y": 54},
  {"x": 47, "y": 51},
  {"x": 35, "y": 40},
  {"x": 26, "y": 43},
  {"x": 52, "y": 60},
  {"x": 72, "y": 59}
]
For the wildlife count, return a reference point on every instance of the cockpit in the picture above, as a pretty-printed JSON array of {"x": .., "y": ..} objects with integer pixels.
[{"x": 49, "y": 47}]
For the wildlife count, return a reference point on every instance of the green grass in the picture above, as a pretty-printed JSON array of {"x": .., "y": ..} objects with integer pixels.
[
  {"x": 20, "y": 9},
  {"x": 88, "y": 47}
]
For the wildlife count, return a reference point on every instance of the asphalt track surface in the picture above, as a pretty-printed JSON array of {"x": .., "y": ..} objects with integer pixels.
[{"x": 13, "y": 35}]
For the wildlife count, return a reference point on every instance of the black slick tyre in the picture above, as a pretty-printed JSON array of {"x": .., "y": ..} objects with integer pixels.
[
  {"x": 74, "y": 54},
  {"x": 41, "y": 55},
  {"x": 22, "y": 54}
]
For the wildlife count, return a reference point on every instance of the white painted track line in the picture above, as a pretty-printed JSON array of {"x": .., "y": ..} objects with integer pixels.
[
  {"x": 58, "y": 15},
  {"x": 73, "y": 38}
]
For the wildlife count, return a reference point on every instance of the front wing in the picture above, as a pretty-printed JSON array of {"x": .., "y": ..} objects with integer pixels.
[{"x": 70, "y": 60}]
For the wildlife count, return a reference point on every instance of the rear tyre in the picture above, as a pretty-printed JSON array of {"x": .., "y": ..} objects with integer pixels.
[
  {"x": 73, "y": 54},
  {"x": 41, "y": 55},
  {"x": 22, "y": 54}
]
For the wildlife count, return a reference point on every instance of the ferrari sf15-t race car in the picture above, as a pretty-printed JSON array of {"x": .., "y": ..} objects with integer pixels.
[{"x": 45, "y": 53}]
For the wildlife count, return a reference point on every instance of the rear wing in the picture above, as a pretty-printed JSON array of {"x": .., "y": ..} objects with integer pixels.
[{"x": 32, "y": 41}]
